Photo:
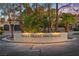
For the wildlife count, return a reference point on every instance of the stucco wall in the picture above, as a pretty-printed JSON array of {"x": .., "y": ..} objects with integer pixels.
[{"x": 45, "y": 37}]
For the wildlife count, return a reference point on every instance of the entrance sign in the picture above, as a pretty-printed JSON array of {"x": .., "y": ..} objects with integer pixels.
[
  {"x": 40, "y": 37},
  {"x": 36, "y": 35}
]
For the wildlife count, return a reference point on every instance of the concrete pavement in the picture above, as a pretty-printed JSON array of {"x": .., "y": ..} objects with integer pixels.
[
  {"x": 64, "y": 48},
  {"x": 27, "y": 49}
]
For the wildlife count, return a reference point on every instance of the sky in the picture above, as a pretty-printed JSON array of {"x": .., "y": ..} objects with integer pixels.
[
  {"x": 65, "y": 9},
  {"x": 72, "y": 8}
]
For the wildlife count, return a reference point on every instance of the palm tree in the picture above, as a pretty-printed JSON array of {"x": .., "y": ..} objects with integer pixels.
[
  {"x": 56, "y": 21},
  {"x": 47, "y": 6},
  {"x": 37, "y": 13},
  {"x": 49, "y": 21}
]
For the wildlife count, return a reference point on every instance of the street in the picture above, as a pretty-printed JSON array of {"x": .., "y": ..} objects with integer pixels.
[{"x": 70, "y": 48}]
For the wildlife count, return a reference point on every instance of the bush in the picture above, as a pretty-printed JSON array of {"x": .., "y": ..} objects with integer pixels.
[
  {"x": 1, "y": 30},
  {"x": 32, "y": 23}
]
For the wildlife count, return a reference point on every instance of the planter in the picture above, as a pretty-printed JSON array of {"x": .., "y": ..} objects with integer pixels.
[{"x": 40, "y": 37}]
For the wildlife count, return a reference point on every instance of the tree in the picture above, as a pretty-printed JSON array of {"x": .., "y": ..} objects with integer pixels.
[
  {"x": 22, "y": 14},
  {"x": 35, "y": 19},
  {"x": 49, "y": 14},
  {"x": 67, "y": 19},
  {"x": 7, "y": 10},
  {"x": 42, "y": 19},
  {"x": 56, "y": 21},
  {"x": 49, "y": 21}
]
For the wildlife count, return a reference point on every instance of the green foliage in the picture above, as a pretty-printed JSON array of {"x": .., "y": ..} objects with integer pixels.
[
  {"x": 67, "y": 18},
  {"x": 32, "y": 24},
  {"x": 1, "y": 30},
  {"x": 23, "y": 13},
  {"x": 24, "y": 4},
  {"x": 44, "y": 22},
  {"x": 17, "y": 9}
]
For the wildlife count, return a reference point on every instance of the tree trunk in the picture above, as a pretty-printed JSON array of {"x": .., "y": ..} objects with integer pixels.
[
  {"x": 37, "y": 13},
  {"x": 11, "y": 28},
  {"x": 56, "y": 21},
  {"x": 27, "y": 9},
  {"x": 49, "y": 21},
  {"x": 66, "y": 27}
]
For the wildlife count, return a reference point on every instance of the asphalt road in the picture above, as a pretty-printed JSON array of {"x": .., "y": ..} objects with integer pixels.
[{"x": 27, "y": 49}]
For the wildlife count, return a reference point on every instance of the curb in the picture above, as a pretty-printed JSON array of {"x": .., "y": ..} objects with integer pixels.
[{"x": 13, "y": 41}]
